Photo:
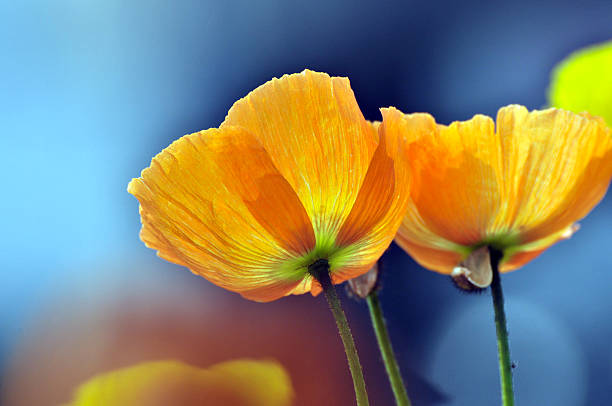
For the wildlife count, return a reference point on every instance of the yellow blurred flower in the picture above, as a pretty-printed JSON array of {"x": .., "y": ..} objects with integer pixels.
[
  {"x": 163, "y": 383},
  {"x": 517, "y": 185},
  {"x": 583, "y": 82},
  {"x": 294, "y": 174}
]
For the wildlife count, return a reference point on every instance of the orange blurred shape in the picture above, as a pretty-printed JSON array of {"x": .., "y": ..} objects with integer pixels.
[{"x": 185, "y": 319}]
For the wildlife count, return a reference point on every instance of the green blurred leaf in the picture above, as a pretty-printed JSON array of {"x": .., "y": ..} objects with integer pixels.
[{"x": 583, "y": 82}]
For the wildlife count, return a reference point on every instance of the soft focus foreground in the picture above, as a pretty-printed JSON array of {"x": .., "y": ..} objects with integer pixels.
[
  {"x": 202, "y": 329},
  {"x": 163, "y": 383}
]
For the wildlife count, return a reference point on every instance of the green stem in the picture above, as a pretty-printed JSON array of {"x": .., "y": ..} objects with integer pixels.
[
  {"x": 384, "y": 343},
  {"x": 503, "y": 349},
  {"x": 320, "y": 270}
]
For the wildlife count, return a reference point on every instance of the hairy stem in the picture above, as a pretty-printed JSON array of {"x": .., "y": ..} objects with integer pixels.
[
  {"x": 503, "y": 349},
  {"x": 384, "y": 343},
  {"x": 320, "y": 271}
]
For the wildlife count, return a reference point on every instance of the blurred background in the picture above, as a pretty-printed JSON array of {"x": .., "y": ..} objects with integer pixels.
[{"x": 91, "y": 90}]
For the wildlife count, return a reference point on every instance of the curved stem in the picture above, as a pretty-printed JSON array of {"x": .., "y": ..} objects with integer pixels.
[
  {"x": 320, "y": 270},
  {"x": 384, "y": 343},
  {"x": 503, "y": 349}
]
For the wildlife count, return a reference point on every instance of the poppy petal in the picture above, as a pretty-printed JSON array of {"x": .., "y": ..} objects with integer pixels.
[
  {"x": 214, "y": 202},
  {"x": 378, "y": 210},
  {"x": 460, "y": 207},
  {"x": 440, "y": 260},
  {"x": 557, "y": 165},
  {"x": 316, "y": 136},
  {"x": 442, "y": 217}
]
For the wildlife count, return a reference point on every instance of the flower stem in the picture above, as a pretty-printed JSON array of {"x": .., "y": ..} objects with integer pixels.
[
  {"x": 320, "y": 270},
  {"x": 503, "y": 349},
  {"x": 384, "y": 343}
]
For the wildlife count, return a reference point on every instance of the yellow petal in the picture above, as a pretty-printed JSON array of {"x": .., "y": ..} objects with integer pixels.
[
  {"x": 214, "y": 202},
  {"x": 424, "y": 235},
  {"x": 249, "y": 172},
  {"x": 378, "y": 210},
  {"x": 437, "y": 259},
  {"x": 316, "y": 136},
  {"x": 582, "y": 82},
  {"x": 162, "y": 383},
  {"x": 557, "y": 167},
  {"x": 374, "y": 199},
  {"x": 462, "y": 166}
]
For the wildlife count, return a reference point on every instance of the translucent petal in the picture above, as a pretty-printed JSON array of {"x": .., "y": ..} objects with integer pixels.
[
  {"x": 378, "y": 210},
  {"x": 315, "y": 134},
  {"x": 214, "y": 202},
  {"x": 518, "y": 187}
]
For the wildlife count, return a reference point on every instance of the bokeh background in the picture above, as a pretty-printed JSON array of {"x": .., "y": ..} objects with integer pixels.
[{"x": 91, "y": 90}]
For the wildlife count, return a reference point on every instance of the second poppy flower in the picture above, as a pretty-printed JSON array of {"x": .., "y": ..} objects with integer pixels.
[{"x": 516, "y": 186}]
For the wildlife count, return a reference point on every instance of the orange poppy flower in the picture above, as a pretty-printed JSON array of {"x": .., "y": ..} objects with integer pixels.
[
  {"x": 517, "y": 185},
  {"x": 237, "y": 383},
  {"x": 294, "y": 174}
]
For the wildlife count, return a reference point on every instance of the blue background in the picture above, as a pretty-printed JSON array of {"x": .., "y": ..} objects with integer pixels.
[{"x": 91, "y": 90}]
